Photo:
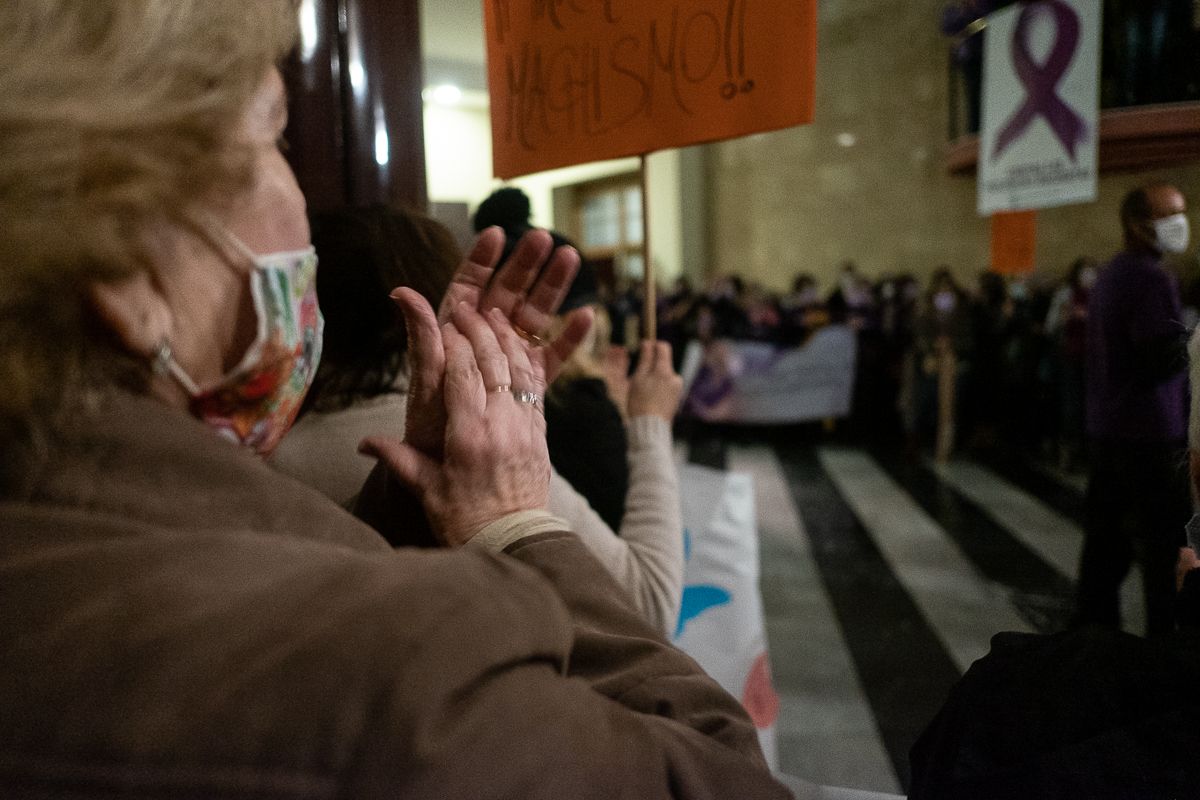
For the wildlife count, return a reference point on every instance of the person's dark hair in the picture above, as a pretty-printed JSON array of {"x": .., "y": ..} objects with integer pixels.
[
  {"x": 943, "y": 276},
  {"x": 1136, "y": 208},
  {"x": 583, "y": 291},
  {"x": 1076, "y": 271},
  {"x": 508, "y": 207},
  {"x": 365, "y": 253},
  {"x": 992, "y": 289}
]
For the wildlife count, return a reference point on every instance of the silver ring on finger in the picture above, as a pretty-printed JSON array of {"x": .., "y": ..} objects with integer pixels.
[
  {"x": 503, "y": 388},
  {"x": 529, "y": 398}
]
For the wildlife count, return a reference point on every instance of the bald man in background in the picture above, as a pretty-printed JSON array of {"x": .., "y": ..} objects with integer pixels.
[{"x": 1137, "y": 416}]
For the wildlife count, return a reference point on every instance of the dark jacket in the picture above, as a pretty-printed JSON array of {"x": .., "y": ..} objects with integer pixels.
[
  {"x": 1136, "y": 353},
  {"x": 178, "y": 620},
  {"x": 588, "y": 446},
  {"x": 1088, "y": 714}
]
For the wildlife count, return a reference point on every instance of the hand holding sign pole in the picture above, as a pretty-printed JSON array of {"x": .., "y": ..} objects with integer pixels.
[{"x": 575, "y": 81}]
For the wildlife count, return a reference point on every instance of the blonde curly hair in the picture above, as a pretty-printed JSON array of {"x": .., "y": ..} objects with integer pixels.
[{"x": 115, "y": 116}]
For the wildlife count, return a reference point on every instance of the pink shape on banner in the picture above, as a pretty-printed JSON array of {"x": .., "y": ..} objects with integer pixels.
[{"x": 759, "y": 697}]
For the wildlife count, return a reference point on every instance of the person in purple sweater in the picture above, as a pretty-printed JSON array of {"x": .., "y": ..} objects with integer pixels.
[{"x": 1136, "y": 415}]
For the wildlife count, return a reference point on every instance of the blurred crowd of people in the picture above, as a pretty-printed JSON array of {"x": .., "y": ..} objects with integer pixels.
[{"x": 1018, "y": 346}]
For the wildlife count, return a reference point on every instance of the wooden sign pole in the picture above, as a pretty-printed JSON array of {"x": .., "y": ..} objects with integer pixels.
[{"x": 650, "y": 288}]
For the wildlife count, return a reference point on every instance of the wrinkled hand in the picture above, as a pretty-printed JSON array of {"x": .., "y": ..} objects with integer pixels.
[
  {"x": 425, "y": 422},
  {"x": 655, "y": 389},
  {"x": 493, "y": 459},
  {"x": 527, "y": 295}
]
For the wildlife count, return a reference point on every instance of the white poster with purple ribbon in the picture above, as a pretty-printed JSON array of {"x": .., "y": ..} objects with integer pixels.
[{"x": 1039, "y": 146}]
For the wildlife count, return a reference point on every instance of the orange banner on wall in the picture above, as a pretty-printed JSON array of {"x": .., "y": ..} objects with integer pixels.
[
  {"x": 1014, "y": 242},
  {"x": 574, "y": 81}
]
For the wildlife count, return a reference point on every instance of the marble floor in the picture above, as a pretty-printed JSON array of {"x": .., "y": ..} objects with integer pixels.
[{"x": 883, "y": 578}]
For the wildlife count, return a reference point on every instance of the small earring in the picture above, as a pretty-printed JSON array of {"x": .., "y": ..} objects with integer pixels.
[{"x": 161, "y": 362}]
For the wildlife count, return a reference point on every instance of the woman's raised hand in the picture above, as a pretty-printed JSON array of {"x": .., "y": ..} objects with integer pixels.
[
  {"x": 492, "y": 460},
  {"x": 655, "y": 388},
  {"x": 616, "y": 377},
  {"x": 528, "y": 298}
]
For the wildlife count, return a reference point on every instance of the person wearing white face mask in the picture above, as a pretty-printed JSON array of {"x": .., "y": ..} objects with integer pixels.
[
  {"x": 1172, "y": 234},
  {"x": 1136, "y": 415}
]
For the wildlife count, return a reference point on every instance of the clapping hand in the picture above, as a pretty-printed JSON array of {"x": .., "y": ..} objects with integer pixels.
[
  {"x": 492, "y": 458},
  {"x": 525, "y": 293},
  {"x": 474, "y": 447}
]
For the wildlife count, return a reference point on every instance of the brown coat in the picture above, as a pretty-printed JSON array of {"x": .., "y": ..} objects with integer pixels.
[{"x": 178, "y": 620}]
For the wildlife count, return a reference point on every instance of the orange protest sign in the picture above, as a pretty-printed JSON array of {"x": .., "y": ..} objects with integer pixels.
[
  {"x": 574, "y": 81},
  {"x": 1014, "y": 242}
]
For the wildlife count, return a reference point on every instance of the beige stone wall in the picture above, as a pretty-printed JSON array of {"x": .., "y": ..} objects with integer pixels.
[{"x": 798, "y": 201}]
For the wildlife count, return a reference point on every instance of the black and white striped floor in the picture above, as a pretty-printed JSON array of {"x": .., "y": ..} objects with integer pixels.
[{"x": 884, "y": 579}]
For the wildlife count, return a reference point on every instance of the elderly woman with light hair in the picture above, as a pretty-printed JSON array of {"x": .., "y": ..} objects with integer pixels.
[{"x": 178, "y": 619}]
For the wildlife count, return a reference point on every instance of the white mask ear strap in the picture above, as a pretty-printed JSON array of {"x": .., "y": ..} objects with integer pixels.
[
  {"x": 219, "y": 230},
  {"x": 256, "y": 260},
  {"x": 164, "y": 363},
  {"x": 239, "y": 245}
]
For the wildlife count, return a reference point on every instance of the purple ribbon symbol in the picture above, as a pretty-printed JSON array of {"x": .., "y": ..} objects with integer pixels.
[{"x": 1041, "y": 80}]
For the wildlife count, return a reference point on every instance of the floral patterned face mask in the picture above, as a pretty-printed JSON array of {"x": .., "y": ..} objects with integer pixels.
[{"x": 257, "y": 401}]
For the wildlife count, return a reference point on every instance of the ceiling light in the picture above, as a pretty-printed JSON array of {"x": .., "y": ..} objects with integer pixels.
[
  {"x": 310, "y": 31},
  {"x": 847, "y": 139},
  {"x": 383, "y": 147},
  {"x": 358, "y": 76},
  {"x": 444, "y": 95}
]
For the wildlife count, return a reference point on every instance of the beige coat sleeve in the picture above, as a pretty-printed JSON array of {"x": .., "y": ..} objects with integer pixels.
[{"x": 647, "y": 558}]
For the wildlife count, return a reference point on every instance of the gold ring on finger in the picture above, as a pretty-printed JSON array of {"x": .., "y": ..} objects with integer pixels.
[{"x": 532, "y": 338}]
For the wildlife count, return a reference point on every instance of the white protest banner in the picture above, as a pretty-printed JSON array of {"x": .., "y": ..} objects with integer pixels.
[
  {"x": 1039, "y": 147},
  {"x": 758, "y": 383},
  {"x": 721, "y": 622}
]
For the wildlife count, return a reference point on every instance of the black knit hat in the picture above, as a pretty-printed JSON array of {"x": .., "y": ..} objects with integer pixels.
[
  {"x": 584, "y": 290},
  {"x": 508, "y": 207}
]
